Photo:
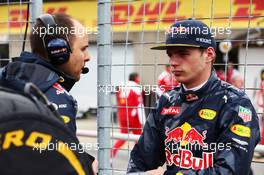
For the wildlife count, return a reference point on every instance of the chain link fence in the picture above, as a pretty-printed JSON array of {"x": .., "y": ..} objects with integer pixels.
[{"x": 137, "y": 25}]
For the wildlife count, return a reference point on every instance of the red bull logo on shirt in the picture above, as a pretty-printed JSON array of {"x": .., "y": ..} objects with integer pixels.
[
  {"x": 184, "y": 158},
  {"x": 186, "y": 134},
  {"x": 191, "y": 97}
]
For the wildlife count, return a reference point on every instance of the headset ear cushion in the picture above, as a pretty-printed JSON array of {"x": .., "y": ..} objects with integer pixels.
[{"x": 58, "y": 51}]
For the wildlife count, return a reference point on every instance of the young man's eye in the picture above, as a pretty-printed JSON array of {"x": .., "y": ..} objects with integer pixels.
[
  {"x": 178, "y": 53},
  {"x": 183, "y": 53}
]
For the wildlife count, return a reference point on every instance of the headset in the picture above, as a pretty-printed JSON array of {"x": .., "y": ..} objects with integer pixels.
[{"x": 58, "y": 49}]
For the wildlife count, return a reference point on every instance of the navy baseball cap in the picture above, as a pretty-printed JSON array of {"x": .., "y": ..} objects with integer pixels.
[{"x": 189, "y": 33}]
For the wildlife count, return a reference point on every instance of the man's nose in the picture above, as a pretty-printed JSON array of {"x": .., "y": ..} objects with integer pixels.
[{"x": 87, "y": 57}]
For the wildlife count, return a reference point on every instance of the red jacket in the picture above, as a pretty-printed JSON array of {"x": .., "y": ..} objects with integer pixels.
[
  {"x": 130, "y": 105},
  {"x": 166, "y": 82}
]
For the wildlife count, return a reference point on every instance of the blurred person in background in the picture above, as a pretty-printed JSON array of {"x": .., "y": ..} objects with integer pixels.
[
  {"x": 260, "y": 103},
  {"x": 237, "y": 81},
  {"x": 166, "y": 81},
  {"x": 232, "y": 76},
  {"x": 131, "y": 114}
]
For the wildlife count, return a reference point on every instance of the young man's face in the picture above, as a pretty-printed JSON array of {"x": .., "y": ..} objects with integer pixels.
[
  {"x": 79, "y": 55},
  {"x": 190, "y": 66}
]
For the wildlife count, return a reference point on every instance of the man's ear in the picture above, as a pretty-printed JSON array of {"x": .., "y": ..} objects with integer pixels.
[{"x": 210, "y": 54}]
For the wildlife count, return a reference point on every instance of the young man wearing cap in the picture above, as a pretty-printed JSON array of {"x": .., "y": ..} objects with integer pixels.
[{"x": 205, "y": 126}]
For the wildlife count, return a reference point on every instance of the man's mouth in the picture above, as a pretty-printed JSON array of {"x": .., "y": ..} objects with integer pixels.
[{"x": 177, "y": 73}]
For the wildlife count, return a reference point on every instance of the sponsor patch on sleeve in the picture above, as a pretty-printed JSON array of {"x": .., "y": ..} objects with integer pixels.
[
  {"x": 245, "y": 114},
  {"x": 240, "y": 130}
]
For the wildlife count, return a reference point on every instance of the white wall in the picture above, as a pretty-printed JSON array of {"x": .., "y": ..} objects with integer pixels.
[{"x": 85, "y": 91}]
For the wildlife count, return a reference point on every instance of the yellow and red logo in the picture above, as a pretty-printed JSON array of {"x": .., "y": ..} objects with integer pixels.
[
  {"x": 241, "y": 130},
  {"x": 186, "y": 134},
  {"x": 207, "y": 114}
]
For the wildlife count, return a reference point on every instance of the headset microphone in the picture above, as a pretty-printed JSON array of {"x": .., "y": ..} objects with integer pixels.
[{"x": 85, "y": 70}]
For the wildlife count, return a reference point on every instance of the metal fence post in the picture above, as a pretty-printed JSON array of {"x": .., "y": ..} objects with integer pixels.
[
  {"x": 104, "y": 80},
  {"x": 35, "y": 10}
]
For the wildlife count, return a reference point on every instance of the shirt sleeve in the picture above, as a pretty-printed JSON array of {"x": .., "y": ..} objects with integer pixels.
[{"x": 148, "y": 153}]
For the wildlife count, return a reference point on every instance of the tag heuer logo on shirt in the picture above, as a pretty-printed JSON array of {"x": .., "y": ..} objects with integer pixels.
[
  {"x": 171, "y": 110},
  {"x": 245, "y": 114}
]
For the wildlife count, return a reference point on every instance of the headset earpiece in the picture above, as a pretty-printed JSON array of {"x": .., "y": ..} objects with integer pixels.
[{"x": 58, "y": 49}]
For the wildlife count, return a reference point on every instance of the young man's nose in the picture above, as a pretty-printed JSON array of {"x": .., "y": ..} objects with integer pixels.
[{"x": 174, "y": 61}]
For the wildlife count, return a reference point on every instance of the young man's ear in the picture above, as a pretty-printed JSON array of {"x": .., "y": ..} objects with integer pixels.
[{"x": 210, "y": 54}]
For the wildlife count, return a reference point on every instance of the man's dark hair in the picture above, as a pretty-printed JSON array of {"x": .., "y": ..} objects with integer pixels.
[
  {"x": 133, "y": 76},
  {"x": 63, "y": 21}
]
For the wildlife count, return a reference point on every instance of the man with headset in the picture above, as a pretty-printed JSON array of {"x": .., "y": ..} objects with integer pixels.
[{"x": 58, "y": 58}]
